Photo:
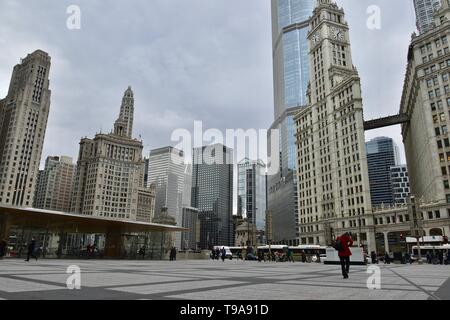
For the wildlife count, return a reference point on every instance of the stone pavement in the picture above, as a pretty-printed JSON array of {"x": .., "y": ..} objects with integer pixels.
[{"x": 214, "y": 280}]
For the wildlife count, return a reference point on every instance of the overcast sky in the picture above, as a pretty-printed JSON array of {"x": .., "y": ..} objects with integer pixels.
[{"x": 208, "y": 60}]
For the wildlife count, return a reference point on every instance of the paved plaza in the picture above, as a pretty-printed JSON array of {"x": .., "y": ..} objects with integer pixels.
[{"x": 212, "y": 280}]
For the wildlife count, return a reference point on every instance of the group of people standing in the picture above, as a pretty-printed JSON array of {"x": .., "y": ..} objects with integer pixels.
[
  {"x": 217, "y": 254},
  {"x": 439, "y": 257}
]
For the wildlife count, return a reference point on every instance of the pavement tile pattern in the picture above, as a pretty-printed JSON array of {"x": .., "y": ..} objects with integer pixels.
[{"x": 214, "y": 280}]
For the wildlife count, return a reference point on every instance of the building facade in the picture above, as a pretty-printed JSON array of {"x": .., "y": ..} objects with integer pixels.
[
  {"x": 400, "y": 184},
  {"x": 426, "y": 101},
  {"x": 382, "y": 154},
  {"x": 425, "y": 13},
  {"x": 23, "y": 123},
  {"x": 166, "y": 172},
  {"x": 333, "y": 183},
  {"x": 55, "y": 184},
  {"x": 190, "y": 239},
  {"x": 290, "y": 23},
  {"x": 212, "y": 194},
  {"x": 252, "y": 195},
  {"x": 109, "y": 181}
]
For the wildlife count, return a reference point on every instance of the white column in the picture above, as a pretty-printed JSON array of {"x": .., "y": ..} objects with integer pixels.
[{"x": 386, "y": 241}]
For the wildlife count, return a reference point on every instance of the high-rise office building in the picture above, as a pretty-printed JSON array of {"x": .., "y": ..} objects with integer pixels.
[
  {"x": 166, "y": 172},
  {"x": 23, "y": 122},
  {"x": 425, "y": 13},
  {"x": 382, "y": 154},
  {"x": 212, "y": 194},
  {"x": 333, "y": 183},
  {"x": 426, "y": 101},
  {"x": 290, "y": 23},
  {"x": 55, "y": 184},
  {"x": 400, "y": 184},
  {"x": 109, "y": 181},
  {"x": 252, "y": 195},
  {"x": 190, "y": 239}
]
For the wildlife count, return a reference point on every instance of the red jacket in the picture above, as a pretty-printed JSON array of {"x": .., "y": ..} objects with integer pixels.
[{"x": 346, "y": 242}]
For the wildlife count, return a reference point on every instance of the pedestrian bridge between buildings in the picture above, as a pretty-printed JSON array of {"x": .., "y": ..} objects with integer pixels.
[
  {"x": 386, "y": 122},
  {"x": 37, "y": 222}
]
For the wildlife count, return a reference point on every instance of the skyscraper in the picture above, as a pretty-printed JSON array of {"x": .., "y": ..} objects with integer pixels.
[
  {"x": 426, "y": 101},
  {"x": 290, "y": 23},
  {"x": 55, "y": 184},
  {"x": 400, "y": 184},
  {"x": 333, "y": 184},
  {"x": 23, "y": 122},
  {"x": 252, "y": 195},
  {"x": 110, "y": 173},
  {"x": 425, "y": 13},
  {"x": 212, "y": 194},
  {"x": 382, "y": 154},
  {"x": 166, "y": 172}
]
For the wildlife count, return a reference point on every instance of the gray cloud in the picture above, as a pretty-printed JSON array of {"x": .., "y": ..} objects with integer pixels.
[{"x": 186, "y": 60}]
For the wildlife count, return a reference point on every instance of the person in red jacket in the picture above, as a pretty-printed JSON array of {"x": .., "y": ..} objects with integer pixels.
[{"x": 345, "y": 254}]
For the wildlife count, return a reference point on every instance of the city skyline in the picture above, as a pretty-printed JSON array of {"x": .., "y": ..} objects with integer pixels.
[{"x": 73, "y": 99}]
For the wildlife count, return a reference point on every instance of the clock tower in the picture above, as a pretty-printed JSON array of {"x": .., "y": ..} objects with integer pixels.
[{"x": 333, "y": 182}]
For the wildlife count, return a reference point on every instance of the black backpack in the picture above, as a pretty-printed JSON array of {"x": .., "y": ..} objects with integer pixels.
[{"x": 338, "y": 245}]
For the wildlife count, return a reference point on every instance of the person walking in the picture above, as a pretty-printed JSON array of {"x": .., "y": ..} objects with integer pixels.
[
  {"x": 344, "y": 243},
  {"x": 224, "y": 254},
  {"x": 174, "y": 254},
  {"x": 387, "y": 258},
  {"x": 303, "y": 257},
  {"x": 373, "y": 256},
  {"x": 31, "y": 250},
  {"x": 3, "y": 246}
]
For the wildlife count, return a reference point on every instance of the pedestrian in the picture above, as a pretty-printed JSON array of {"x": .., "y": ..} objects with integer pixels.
[
  {"x": 3, "y": 246},
  {"x": 303, "y": 257},
  {"x": 373, "y": 256},
  {"x": 174, "y": 254},
  {"x": 441, "y": 257},
  {"x": 224, "y": 254},
  {"x": 428, "y": 257},
  {"x": 344, "y": 253},
  {"x": 387, "y": 258},
  {"x": 31, "y": 250},
  {"x": 217, "y": 253}
]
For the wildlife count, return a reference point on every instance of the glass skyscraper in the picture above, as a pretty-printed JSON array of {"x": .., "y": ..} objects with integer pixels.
[
  {"x": 290, "y": 26},
  {"x": 212, "y": 194},
  {"x": 382, "y": 154},
  {"x": 252, "y": 194},
  {"x": 424, "y": 13}
]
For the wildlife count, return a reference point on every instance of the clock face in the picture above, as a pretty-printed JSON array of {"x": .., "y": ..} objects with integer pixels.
[{"x": 338, "y": 34}]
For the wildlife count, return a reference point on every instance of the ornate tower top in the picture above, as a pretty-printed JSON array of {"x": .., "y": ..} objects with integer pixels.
[{"x": 124, "y": 124}]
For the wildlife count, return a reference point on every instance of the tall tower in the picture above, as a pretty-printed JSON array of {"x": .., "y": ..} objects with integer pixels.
[
  {"x": 212, "y": 194},
  {"x": 109, "y": 182},
  {"x": 382, "y": 154},
  {"x": 124, "y": 124},
  {"x": 290, "y": 23},
  {"x": 333, "y": 183},
  {"x": 425, "y": 13},
  {"x": 426, "y": 101},
  {"x": 23, "y": 122}
]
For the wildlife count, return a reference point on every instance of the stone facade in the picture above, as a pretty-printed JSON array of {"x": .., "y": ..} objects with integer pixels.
[
  {"x": 426, "y": 101},
  {"x": 333, "y": 183},
  {"x": 23, "y": 122},
  {"x": 55, "y": 184},
  {"x": 110, "y": 172}
]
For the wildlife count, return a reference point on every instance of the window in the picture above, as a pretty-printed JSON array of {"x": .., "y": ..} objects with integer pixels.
[
  {"x": 433, "y": 106},
  {"x": 444, "y": 171},
  {"x": 444, "y": 130},
  {"x": 437, "y": 131},
  {"x": 430, "y": 215},
  {"x": 446, "y": 184}
]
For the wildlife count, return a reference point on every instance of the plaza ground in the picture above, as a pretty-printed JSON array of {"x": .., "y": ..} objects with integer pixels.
[{"x": 213, "y": 280}]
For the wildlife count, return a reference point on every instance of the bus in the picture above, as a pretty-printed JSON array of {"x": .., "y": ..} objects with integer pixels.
[{"x": 433, "y": 250}]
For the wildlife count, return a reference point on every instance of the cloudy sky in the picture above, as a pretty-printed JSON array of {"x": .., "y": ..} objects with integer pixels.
[{"x": 208, "y": 60}]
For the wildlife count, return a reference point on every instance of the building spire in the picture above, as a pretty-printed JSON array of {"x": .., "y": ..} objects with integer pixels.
[{"x": 124, "y": 124}]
